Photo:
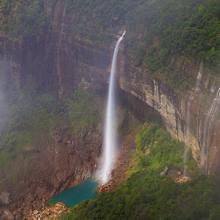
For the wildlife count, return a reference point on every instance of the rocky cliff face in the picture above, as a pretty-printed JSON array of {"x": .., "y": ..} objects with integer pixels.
[
  {"x": 192, "y": 117},
  {"x": 56, "y": 63},
  {"x": 59, "y": 62},
  {"x": 68, "y": 63}
]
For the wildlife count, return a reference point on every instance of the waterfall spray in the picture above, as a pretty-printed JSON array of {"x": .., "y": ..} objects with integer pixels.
[{"x": 110, "y": 143}]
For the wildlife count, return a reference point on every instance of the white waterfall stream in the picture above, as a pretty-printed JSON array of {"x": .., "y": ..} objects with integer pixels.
[
  {"x": 187, "y": 133},
  {"x": 110, "y": 143}
]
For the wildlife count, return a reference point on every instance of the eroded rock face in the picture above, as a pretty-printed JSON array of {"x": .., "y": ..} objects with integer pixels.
[{"x": 191, "y": 117}]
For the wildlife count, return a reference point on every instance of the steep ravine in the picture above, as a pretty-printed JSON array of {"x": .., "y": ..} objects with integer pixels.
[
  {"x": 58, "y": 62},
  {"x": 81, "y": 64}
]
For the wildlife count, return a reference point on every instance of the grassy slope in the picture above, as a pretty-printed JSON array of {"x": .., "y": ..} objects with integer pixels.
[{"x": 149, "y": 196}]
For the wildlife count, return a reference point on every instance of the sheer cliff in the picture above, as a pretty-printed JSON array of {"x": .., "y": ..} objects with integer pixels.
[{"x": 67, "y": 45}]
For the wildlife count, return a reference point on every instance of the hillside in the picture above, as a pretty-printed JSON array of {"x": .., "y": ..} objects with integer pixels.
[{"x": 151, "y": 191}]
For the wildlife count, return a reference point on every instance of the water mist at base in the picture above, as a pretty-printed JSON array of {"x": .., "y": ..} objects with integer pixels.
[{"x": 110, "y": 143}]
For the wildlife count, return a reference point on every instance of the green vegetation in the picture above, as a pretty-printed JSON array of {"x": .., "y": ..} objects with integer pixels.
[
  {"x": 161, "y": 35},
  {"x": 32, "y": 122},
  {"x": 181, "y": 31},
  {"x": 21, "y": 18},
  {"x": 147, "y": 194},
  {"x": 34, "y": 119},
  {"x": 156, "y": 150},
  {"x": 83, "y": 111}
]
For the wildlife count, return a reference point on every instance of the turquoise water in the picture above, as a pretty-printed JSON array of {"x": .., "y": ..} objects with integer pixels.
[{"x": 77, "y": 194}]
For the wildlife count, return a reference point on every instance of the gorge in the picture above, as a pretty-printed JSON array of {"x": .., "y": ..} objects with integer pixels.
[{"x": 54, "y": 77}]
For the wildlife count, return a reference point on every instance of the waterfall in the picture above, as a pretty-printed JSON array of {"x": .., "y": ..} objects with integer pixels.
[
  {"x": 156, "y": 94},
  {"x": 187, "y": 133},
  {"x": 206, "y": 137},
  {"x": 188, "y": 119},
  {"x": 110, "y": 143},
  {"x": 199, "y": 78}
]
